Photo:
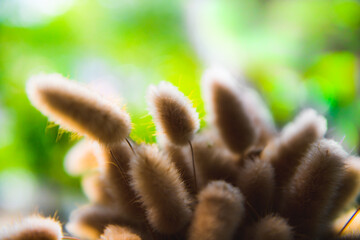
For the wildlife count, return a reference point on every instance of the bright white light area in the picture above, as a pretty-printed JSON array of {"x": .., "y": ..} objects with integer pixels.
[
  {"x": 17, "y": 190},
  {"x": 32, "y": 12}
]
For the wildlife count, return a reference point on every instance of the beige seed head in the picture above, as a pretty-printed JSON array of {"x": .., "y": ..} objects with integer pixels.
[
  {"x": 81, "y": 158},
  {"x": 309, "y": 194},
  {"x": 32, "y": 228},
  {"x": 78, "y": 109},
  {"x": 234, "y": 122},
  {"x": 113, "y": 232},
  {"x": 158, "y": 184},
  {"x": 219, "y": 212},
  {"x": 173, "y": 113},
  {"x": 271, "y": 228}
]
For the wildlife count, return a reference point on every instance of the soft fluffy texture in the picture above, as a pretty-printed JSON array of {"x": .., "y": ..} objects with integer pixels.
[
  {"x": 113, "y": 232},
  {"x": 81, "y": 158},
  {"x": 89, "y": 221},
  {"x": 271, "y": 228},
  {"x": 256, "y": 181},
  {"x": 32, "y": 228},
  {"x": 114, "y": 167},
  {"x": 78, "y": 109},
  {"x": 219, "y": 212},
  {"x": 95, "y": 189},
  {"x": 173, "y": 113},
  {"x": 213, "y": 163},
  {"x": 310, "y": 192},
  {"x": 158, "y": 184},
  {"x": 349, "y": 187},
  {"x": 227, "y": 110},
  {"x": 286, "y": 151}
]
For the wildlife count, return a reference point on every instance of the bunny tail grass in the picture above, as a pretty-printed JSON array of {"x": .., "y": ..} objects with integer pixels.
[
  {"x": 114, "y": 169},
  {"x": 113, "y": 232},
  {"x": 311, "y": 191},
  {"x": 81, "y": 158},
  {"x": 95, "y": 189},
  {"x": 161, "y": 191},
  {"x": 256, "y": 182},
  {"x": 219, "y": 212},
  {"x": 349, "y": 187},
  {"x": 227, "y": 110},
  {"x": 78, "y": 109},
  {"x": 32, "y": 228},
  {"x": 271, "y": 228},
  {"x": 89, "y": 221},
  {"x": 286, "y": 151},
  {"x": 173, "y": 113}
]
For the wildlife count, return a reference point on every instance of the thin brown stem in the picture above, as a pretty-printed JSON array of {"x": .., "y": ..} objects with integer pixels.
[
  {"x": 193, "y": 163},
  {"x": 349, "y": 221},
  {"x": 70, "y": 238},
  {"x": 132, "y": 149}
]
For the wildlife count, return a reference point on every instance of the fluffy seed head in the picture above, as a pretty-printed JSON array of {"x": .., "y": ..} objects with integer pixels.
[
  {"x": 286, "y": 151},
  {"x": 78, "y": 109},
  {"x": 309, "y": 195},
  {"x": 256, "y": 182},
  {"x": 227, "y": 110},
  {"x": 32, "y": 228},
  {"x": 270, "y": 228},
  {"x": 219, "y": 212},
  {"x": 89, "y": 221},
  {"x": 81, "y": 158},
  {"x": 159, "y": 187},
  {"x": 172, "y": 112},
  {"x": 113, "y": 232}
]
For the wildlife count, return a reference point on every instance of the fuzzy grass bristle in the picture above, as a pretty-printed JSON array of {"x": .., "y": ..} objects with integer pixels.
[
  {"x": 89, "y": 221},
  {"x": 173, "y": 113},
  {"x": 271, "y": 228},
  {"x": 227, "y": 110},
  {"x": 219, "y": 212},
  {"x": 158, "y": 184},
  {"x": 114, "y": 165},
  {"x": 285, "y": 152},
  {"x": 113, "y": 232},
  {"x": 77, "y": 108},
  {"x": 81, "y": 158},
  {"x": 32, "y": 228},
  {"x": 310, "y": 192}
]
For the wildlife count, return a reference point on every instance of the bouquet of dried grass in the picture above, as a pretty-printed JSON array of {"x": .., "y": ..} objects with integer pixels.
[{"x": 238, "y": 178}]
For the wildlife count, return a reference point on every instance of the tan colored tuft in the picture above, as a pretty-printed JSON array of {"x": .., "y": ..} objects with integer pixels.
[
  {"x": 261, "y": 115},
  {"x": 114, "y": 167},
  {"x": 310, "y": 192},
  {"x": 89, "y": 221},
  {"x": 349, "y": 187},
  {"x": 81, "y": 158},
  {"x": 173, "y": 113},
  {"x": 227, "y": 111},
  {"x": 95, "y": 189},
  {"x": 78, "y": 109},
  {"x": 212, "y": 162},
  {"x": 32, "y": 228},
  {"x": 113, "y": 232},
  {"x": 181, "y": 157},
  {"x": 286, "y": 151},
  {"x": 161, "y": 191},
  {"x": 219, "y": 212},
  {"x": 272, "y": 228},
  {"x": 256, "y": 182}
]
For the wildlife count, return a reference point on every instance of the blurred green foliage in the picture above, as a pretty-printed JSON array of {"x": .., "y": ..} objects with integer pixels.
[{"x": 296, "y": 53}]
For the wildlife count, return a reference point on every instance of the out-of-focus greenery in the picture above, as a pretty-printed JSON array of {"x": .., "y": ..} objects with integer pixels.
[{"x": 296, "y": 53}]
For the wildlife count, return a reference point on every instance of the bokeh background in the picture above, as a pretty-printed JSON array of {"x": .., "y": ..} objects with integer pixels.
[{"x": 297, "y": 54}]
